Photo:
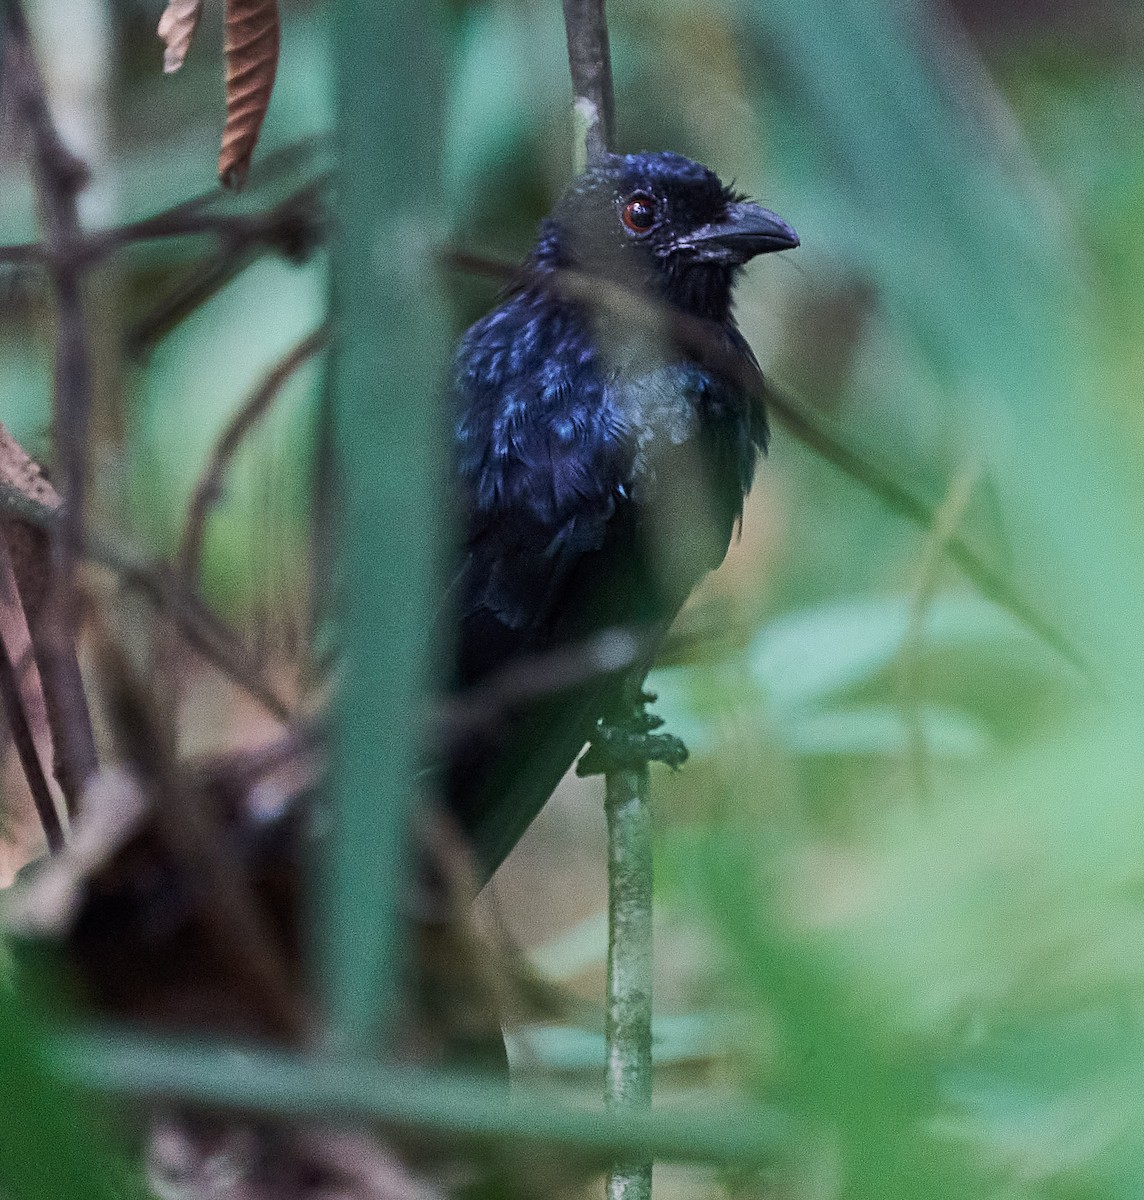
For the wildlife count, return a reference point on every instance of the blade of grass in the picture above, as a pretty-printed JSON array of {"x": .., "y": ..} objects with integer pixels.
[
  {"x": 387, "y": 379},
  {"x": 244, "y": 1077}
]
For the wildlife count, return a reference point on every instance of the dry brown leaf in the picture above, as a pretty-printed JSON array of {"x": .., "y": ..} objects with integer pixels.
[
  {"x": 177, "y": 26},
  {"x": 27, "y": 542},
  {"x": 18, "y": 470},
  {"x": 251, "y": 62}
]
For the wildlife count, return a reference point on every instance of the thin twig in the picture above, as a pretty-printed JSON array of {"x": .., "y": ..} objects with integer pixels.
[
  {"x": 292, "y": 226},
  {"x": 946, "y": 520},
  {"x": 25, "y": 743},
  {"x": 533, "y": 677},
  {"x": 590, "y": 64},
  {"x": 249, "y": 413},
  {"x": 208, "y": 633},
  {"x": 25, "y": 254},
  {"x": 59, "y": 177},
  {"x": 209, "y": 488}
]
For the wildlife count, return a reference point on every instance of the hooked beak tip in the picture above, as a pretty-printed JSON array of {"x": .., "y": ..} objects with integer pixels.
[
  {"x": 759, "y": 230},
  {"x": 747, "y": 231}
]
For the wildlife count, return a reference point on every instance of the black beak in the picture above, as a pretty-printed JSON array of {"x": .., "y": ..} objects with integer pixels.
[{"x": 747, "y": 230}]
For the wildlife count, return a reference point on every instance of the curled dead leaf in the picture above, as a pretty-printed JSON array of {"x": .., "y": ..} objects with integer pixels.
[
  {"x": 251, "y": 63},
  {"x": 176, "y": 27},
  {"x": 20, "y": 471}
]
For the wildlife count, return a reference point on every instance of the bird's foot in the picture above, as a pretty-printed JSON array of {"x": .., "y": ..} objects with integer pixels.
[{"x": 629, "y": 743}]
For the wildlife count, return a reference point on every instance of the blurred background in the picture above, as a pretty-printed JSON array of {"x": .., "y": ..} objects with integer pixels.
[{"x": 900, "y": 883}]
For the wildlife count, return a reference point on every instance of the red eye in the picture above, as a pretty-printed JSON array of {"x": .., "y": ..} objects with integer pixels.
[{"x": 638, "y": 214}]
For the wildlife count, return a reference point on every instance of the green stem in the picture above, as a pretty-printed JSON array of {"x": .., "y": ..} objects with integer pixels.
[
  {"x": 626, "y": 800},
  {"x": 387, "y": 373},
  {"x": 628, "y": 1029}
]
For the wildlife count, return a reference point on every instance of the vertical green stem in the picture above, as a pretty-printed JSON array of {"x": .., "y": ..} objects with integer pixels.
[
  {"x": 628, "y": 1029},
  {"x": 388, "y": 377}
]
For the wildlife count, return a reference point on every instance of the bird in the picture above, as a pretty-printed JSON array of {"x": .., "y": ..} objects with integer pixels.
[{"x": 608, "y": 419}]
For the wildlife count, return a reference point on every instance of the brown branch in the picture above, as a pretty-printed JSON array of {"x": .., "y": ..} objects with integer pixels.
[
  {"x": 205, "y": 496},
  {"x": 590, "y": 64},
  {"x": 249, "y": 413},
  {"x": 25, "y": 254},
  {"x": 66, "y": 252},
  {"x": 59, "y": 177},
  {"x": 293, "y": 227},
  {"x": 15, "y": 648}
]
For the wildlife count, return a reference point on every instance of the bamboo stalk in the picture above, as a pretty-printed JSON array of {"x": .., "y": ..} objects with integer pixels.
[{"x": 387, "y": 373}]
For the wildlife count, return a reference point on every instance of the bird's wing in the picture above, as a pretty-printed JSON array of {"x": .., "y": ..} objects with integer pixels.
[
  {"x": 603, "y": 514},
  {"x": 500, "y": 779}
]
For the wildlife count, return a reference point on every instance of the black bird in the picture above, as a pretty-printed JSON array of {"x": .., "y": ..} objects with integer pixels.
[{"x": 603, "y": 457}]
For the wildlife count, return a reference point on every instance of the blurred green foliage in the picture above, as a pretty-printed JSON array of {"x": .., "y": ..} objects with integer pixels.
[
  {"x": 50, "y": 1147},
  {"x": 941, "y": 983}
]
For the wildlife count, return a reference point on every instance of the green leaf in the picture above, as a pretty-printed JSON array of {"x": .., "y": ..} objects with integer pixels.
[
  {"x": 882, "y": 729},
  {"x": 805, "y": 658},
  {"x": 49, "y": 1149}
]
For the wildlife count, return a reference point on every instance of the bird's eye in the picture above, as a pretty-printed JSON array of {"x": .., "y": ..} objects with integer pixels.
[{"x": 638, "y": 214}]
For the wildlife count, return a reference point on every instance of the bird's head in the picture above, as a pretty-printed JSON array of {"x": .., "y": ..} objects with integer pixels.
[{"x": 665, "y": 223}]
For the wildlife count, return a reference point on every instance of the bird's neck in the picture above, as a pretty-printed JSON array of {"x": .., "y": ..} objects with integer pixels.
[{"x": 699, "y": 289}]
